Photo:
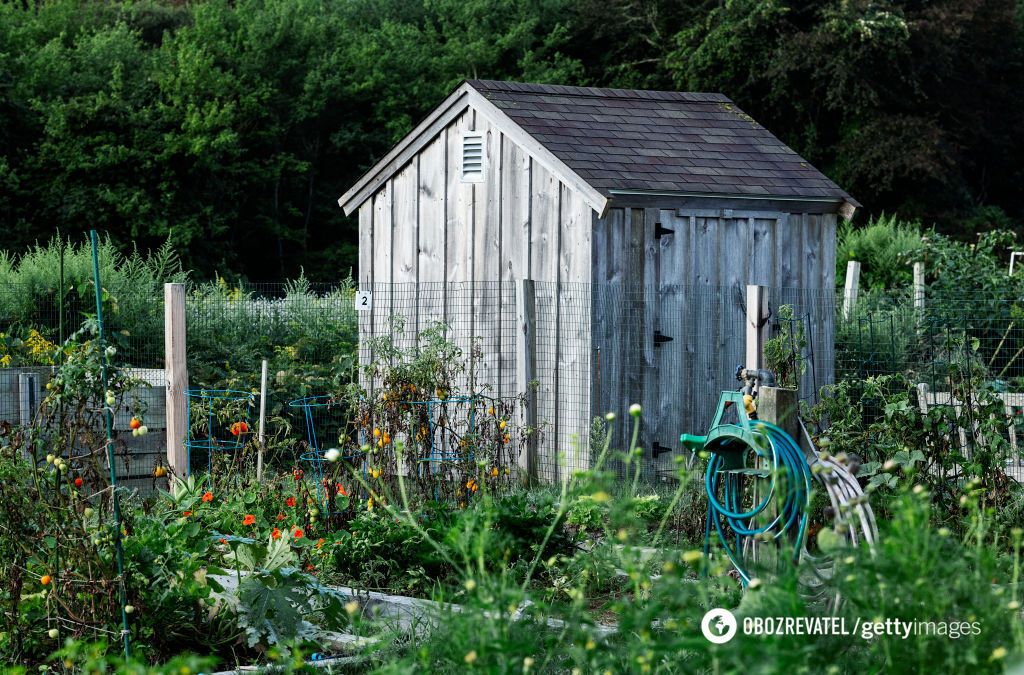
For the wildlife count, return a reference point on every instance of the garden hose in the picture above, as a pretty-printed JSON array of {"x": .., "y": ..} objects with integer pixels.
[
  {"x": 790, "y": 496},
  {"x": 784, "y": 471}
]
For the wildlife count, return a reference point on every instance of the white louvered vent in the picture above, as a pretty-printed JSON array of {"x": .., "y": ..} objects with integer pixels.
[{"x": 472, "y": 158}]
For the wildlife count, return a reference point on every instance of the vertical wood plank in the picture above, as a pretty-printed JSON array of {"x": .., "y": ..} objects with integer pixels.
[
  {"x": 784, "y": 275},
  {"x": 608, "y": 321},
  {"x": 459, "y": 208},
  {"x": 649, "y": 392},
  {"x": 574, "y": 328},
  {"x": 826, "y": 300},
  {"x": 176, "y": 374},
  {"x": 670, "y": 356},
  {"x": 514, "y": 241},
  {"x": 761, "y": 257},
  {"x": 544, "y": 270},
  {"x": 366, "y": 255},
  {"x": 405, "y": 259},
  {"x": 486, "y": 264},
  {"x": 383, "y": 258},
  {"x": 432, "y": 233},
  {"x": 459, "y": 242}
]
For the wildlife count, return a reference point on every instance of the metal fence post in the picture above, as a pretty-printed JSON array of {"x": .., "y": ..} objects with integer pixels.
[
  {"x": 176, "y": 374},
  {"x": 526, "y": 370}
]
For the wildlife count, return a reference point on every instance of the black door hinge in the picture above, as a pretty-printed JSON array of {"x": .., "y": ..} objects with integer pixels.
[
  {"x": 659, "y": 449},
  {"x": 660, "y": 231},
  {"x": 660, "y": 339}
]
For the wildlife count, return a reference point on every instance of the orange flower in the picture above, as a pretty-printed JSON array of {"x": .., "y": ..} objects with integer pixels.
[
  {"x": 320, "y": 542},
  {"x": 275, "y": 534},
  {"x": 223, "y": 540},
  {"x": 280, "y": 516},
  {"x": 290, "y": 502},
  {"x": 249, "y": 519},
  {"x": 298, "y": 534},
  {"x": 342, "y": 491},
  {"x": 208, "y": 497},
  {"x": 186, "y": 514}
]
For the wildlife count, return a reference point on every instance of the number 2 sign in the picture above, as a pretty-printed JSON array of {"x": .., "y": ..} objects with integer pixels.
[{"x": 364, "y": 301}]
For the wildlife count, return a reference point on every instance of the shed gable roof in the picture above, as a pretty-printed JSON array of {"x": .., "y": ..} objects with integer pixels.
[
  {"x": 625, "y": 140},
  {"x": 604, "y": 142}
]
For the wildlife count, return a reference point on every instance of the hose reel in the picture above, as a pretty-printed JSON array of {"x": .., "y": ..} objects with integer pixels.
[{"x": 754, "y": 450}]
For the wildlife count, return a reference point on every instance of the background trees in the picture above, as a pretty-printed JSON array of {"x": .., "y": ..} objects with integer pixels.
[{"x": 232, "y": 127}]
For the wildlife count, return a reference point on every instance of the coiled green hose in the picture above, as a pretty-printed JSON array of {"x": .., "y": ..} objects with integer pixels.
[{"x": 787, "y": 471}]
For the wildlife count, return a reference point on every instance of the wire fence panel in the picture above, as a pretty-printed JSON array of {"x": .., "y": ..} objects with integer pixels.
[
  {"x": 597, "y": 349},
  {"x": 308, "y": 333},
  {"x": 35, "y": 322}
]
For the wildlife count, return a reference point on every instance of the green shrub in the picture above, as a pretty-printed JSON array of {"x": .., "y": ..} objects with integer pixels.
[{"x": 886, "y": 249}]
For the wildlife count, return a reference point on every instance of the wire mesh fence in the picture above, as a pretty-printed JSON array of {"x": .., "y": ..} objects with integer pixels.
[
  {"x": 36, "y": 321},
  {"x": 595, "y": 349}
]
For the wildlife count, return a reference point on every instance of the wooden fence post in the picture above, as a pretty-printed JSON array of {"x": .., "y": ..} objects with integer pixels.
[
  {"x": 757, "y": 312},
  {"x": 781, "y": 407},
  {"x": 852, "y": 287},
  {"x": 176, "y": 375},
  {"x": 263, "y": 418},
  {"x": 919, "y": 286},
  {"x": 526, "y": 370}
]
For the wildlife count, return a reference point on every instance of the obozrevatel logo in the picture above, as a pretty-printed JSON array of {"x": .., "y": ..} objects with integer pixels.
[{"x": 718, "y": 626}]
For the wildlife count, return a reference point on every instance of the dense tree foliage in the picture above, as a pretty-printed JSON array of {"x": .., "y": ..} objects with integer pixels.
[{"x": 231, "y": 127}]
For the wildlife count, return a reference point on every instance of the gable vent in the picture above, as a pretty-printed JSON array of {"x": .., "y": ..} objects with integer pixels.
[{"x": 472, "y": 158}]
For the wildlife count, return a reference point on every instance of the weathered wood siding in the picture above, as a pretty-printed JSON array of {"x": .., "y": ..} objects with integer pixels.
[
  {"x": 433, "y": 247},
  {"x": 668, "y": 307}
]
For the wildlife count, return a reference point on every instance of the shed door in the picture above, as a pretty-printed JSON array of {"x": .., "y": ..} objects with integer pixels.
[{"x": 696, "y": 267}]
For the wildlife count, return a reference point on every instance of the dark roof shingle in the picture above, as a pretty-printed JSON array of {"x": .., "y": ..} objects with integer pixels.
[{"x": 659, "y": 140}]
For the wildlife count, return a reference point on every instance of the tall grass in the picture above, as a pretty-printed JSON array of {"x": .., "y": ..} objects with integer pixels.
[{"x": 38, "y": 285}]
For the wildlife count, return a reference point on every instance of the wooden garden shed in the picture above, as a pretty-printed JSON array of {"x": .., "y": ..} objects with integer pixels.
[{"x": 638, "y": 216}]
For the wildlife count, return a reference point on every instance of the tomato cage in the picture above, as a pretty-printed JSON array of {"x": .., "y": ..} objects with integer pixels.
[
  {"x": 452, "y": 439},
  {"x": 444, "y": 430},
  {"x": 218, "y": 421},
  {"x": 326, "y": 420}
]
